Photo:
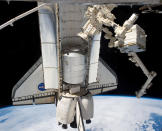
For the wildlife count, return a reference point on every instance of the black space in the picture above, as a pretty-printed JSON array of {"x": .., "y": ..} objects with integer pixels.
[{"x": 20, "y": 49}]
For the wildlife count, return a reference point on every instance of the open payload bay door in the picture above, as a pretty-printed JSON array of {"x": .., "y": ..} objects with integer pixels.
[
  {"x": 47, "y": 24},
  {"x": 101, "y": 77},
  {"x": 94, "y": 58}
]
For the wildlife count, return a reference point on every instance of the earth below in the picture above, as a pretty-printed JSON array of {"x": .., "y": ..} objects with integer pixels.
[{"x": 112, "y": 113}]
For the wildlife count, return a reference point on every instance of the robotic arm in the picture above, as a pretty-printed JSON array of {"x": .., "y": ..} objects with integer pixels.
[
  {"x": 129, "y": 38},
  {"x": 150, "y": 75}
]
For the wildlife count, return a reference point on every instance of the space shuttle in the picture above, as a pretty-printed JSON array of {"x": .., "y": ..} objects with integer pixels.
[{"x": 70, "y": 70}]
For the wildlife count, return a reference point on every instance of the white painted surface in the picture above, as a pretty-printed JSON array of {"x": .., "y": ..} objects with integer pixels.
[
  {"x": 94, "y": 57},
  {"x": 50, "y": 78},
  {"x": 65, "y": 111},
  {"x": 93, "y": 73},
  {"x": 135, "y": 40},
  {"x": 47, "y": 32},
  {"x": 49, "y": 53},
  {"x": 74, "y": 68},
  {"x": 30, "y": 85},
  {"x": 105, "y": 74},
  {"x": 48, "y": 45}
]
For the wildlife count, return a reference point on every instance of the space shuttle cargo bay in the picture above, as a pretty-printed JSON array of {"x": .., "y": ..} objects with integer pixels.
[
  {"x": 27, "y": 91},
  {"x": 44, "y": 73}
]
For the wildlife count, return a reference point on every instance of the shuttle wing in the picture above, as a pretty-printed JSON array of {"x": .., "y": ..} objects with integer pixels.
[
  {"x": 106, "y": 79},
  {"x": 30, "y": 88}
]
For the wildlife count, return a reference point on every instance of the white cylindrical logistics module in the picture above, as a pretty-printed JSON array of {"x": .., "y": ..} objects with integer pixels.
[{"x": 74, "y": 67}]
